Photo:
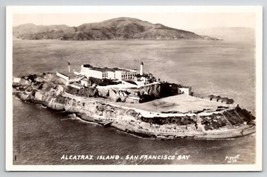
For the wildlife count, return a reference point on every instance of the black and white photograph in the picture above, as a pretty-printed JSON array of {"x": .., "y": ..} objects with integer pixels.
[{"x": 144, "y": 88}]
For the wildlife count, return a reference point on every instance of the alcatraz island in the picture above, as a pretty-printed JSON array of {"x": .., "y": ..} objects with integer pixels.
[{"x": 136, "y": 102}]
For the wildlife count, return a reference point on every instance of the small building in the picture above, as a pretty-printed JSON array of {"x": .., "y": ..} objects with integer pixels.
[
  {"x": 62, "y": 76},
  {"x": 84, "y": 82},
  {"x": 132, "y": 99},
  {"x": 76, "y": 85},
  {"x": 16, "y": 79},
  {"x": 38, "y": 96},
  {"x": 69, "y": 77},
  {"x": 185, "y": 90}
]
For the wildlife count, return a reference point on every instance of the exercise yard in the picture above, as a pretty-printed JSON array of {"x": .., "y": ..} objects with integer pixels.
[{"x": 178, "y": 103}]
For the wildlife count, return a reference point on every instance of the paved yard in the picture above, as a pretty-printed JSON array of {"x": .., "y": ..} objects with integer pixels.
[{"x": 181, "y": 103}]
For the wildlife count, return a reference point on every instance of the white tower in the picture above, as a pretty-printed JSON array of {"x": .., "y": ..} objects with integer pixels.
[
  {"x": 69, "y": 67},
  {"x": 141, "y": 68}
]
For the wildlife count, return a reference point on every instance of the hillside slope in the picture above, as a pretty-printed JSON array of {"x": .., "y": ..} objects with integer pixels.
[{"x": 117, "y": 28}]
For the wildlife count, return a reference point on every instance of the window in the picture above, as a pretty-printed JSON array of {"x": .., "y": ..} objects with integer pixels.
[{"x": 104, "y": 74}]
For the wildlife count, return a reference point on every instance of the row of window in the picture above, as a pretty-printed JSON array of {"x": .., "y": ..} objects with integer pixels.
[
  {"x": 128, "y": 76},
  {"x": 123, "y": 76}
]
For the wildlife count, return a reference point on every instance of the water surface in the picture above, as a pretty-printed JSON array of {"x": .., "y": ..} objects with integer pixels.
[{"x": 42, "y": 136}]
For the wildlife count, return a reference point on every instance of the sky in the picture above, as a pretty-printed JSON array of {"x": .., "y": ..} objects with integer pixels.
[{"x": 187, "y": 21}]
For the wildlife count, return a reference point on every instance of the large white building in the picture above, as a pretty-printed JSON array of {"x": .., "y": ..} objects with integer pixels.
[{"x": 108, "y": 73}]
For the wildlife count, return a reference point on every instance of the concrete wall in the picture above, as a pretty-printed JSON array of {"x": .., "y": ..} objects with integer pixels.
[
  {"x": 91, "y": 73},
  {"x": 118, "y": 75},
  {"x": 111, "y": 75}
]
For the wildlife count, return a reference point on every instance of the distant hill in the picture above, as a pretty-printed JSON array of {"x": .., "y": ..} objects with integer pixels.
[
  {"x": 117, "y": 28},
  {"x": 28, "y": 31}
]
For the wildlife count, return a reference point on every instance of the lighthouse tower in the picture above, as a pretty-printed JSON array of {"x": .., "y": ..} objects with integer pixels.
[
  {"x": 69, "y": 67},
  {"x": 141, "y": 68}
]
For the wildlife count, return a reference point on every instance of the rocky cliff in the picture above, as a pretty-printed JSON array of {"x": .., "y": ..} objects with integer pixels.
[{"x": 50, "y": 92}]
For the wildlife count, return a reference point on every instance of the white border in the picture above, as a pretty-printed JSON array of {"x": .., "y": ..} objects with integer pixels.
[{"x": 135, "y": 9}]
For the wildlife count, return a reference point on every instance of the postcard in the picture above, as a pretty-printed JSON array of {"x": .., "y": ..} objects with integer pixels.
[{"x": 141, "y": 88}]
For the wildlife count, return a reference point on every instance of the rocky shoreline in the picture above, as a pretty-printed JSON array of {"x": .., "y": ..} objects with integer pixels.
[{"x": 47, "y": 89}]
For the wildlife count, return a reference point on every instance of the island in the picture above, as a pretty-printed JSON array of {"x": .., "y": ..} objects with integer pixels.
[{"x": 135, "y": 102}]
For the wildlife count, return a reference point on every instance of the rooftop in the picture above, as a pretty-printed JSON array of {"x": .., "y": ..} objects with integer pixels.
[
  {"x": 105, "y": 68},
  {"x": 70, "y": 75},
  {"x": 76, "y": 84}
]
